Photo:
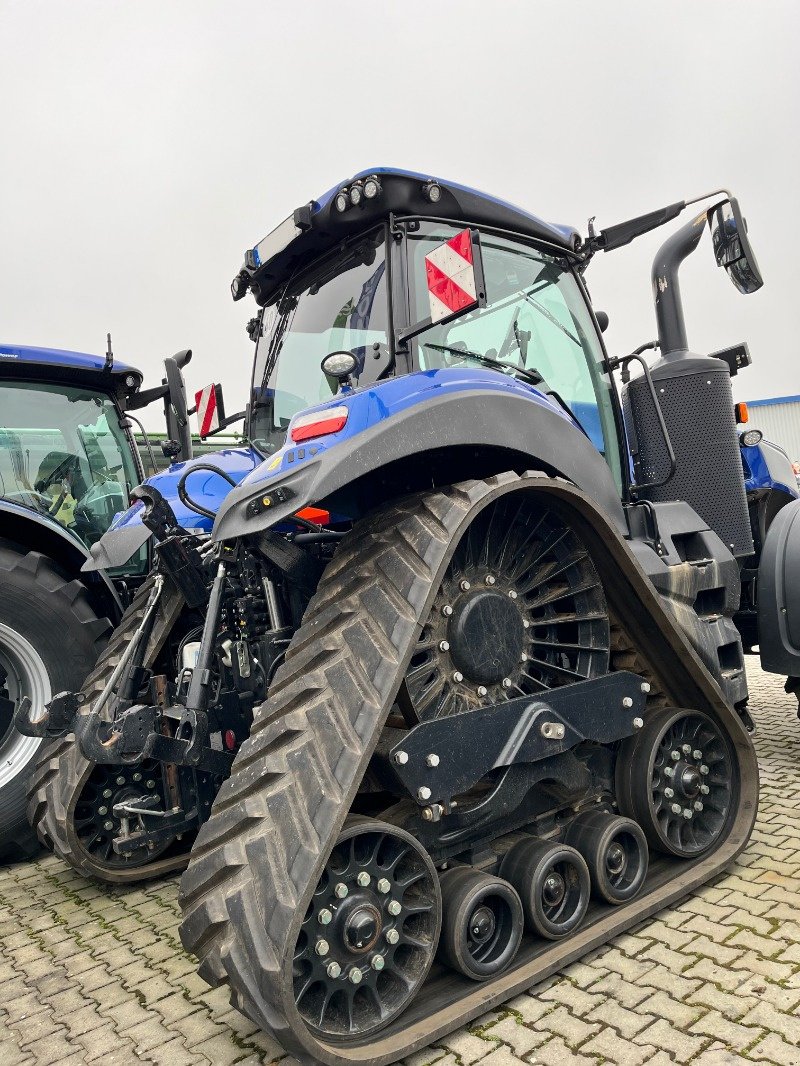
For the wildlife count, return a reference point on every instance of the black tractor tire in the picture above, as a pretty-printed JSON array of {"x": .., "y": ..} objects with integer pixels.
[
  {"x": 50, "y": 638},
  {"x": 62, "y": 772}
]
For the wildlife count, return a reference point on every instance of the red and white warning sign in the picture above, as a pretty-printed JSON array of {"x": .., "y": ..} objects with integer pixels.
[
  {"x": 450, "y": 271},
  {"x": 207, "y": 403}
]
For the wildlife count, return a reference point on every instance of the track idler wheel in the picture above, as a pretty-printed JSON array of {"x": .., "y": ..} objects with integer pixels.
[
  {"x": 679, "y": 778},
  {"x": 370, "y": 933},
  {"x": 553, "y": 883},
  {"x": 615, "y": 850},
  {"x": 482, "y": 922}
]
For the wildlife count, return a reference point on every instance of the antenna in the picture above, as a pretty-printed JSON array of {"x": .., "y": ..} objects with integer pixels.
[{"x": 109, "y": 353}]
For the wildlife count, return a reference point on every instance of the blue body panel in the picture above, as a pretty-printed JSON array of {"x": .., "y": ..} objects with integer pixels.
[
  {"x": 206, "y": 488},
  {"x": 58, "y": 357},
  {"x": 766, "y": 466}
]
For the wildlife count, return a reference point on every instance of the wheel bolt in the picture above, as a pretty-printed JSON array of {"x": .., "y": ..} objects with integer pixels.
[
  {"x": 506, "y": 682},
  {"x": 137, "y": 776},
  {"x": 482, "y": 690},
  {"x": 458, "y": 676},
  {"x": 512, "y": 594},
  {"x": 401, "y": 758},
  {"x": 465, "y": 586},
  {"x": 526, "y": 624},
  {"x": 668, "y": 771},
  {"x": 322, "y": 947},
  {"x": 102, "y": 810},
  {"x": 638, "y": 723},
  {"x": 363, "y": 879},
  {"x": 447, "y": 610},
  {"x": 444, "y": 645},
  {"x": 704, "y": 790},
  {"x": 393, "y": 907},
  {"x": 524, "y": 657},
  {"x": 432, "y": 759},
  {"x": 150, "y": 783},
  {"x": 324, "y": 917},
  {"x": 107, "y": 793},
  {"x": 392, "y": 936},
  {"x": 424, "y": 793},
  {"x": 698, "y": 806},
  {"x": 676, "y": 755},
  {"x": 108, "y": 826},
  {"x": 676, "y": 808},
  {"x": 355, "y": 976},
  {"x": 341, "y": 890},
  {"x": 383, "y": 886},
  {"x": 704, "y": 769},
  {"x": 645, "y": 687},
  {"x": 120, "y": 780},
  {"x": 376, "y": 962},
  {"x": 668, "y": 793},
  {"x": 697, "y": 754},
  {"x": 490, "y": 580},
  {"x": 686, "y": 749},
  {"x": 333, "y": 969},
  {"x": 627, "y": 702},
  {"x": 687, "y": 813}
]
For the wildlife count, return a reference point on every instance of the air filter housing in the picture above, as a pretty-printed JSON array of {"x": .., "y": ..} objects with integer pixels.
[{"x": 696, "y": 400}]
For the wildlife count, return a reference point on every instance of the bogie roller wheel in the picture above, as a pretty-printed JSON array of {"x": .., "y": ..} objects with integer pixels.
[
  {"x": 678, "y": 777},
  {"x": 71, "y": 800},
  {"x": 553, "y": 883},
  {"x": 50, "y": 637},
  {"x": 615, "y": 850},
  {"x": 482, "y": 923},
  {"x": 370, "y": 932}
]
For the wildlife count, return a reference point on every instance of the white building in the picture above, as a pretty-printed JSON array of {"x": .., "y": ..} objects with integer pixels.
[{"x": 779, "y": 421}]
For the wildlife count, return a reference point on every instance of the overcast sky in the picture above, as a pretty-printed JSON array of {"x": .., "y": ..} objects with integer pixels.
[{"x": 144, "y": 145}]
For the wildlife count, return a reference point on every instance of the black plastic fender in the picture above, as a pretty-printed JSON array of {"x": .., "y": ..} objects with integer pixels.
[
  {"x": 779, "y": 594},
  {"x": 476, "y": 424}
]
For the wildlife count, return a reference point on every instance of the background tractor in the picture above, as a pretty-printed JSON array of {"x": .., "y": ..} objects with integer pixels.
[
  {"x": 452, "y": 690},
  {"x": 68, "y": 462}
]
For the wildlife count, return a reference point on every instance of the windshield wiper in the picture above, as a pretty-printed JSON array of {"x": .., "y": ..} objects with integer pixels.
[{"x": 532, "y": 376}]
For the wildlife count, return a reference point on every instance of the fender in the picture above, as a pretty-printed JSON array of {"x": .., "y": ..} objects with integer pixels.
[
  {"x": 779, "y": 594},
  {"x": 434, "y": 427},
  {"x": 37, "y": 532},
  {"x": 766, "y": 466}
]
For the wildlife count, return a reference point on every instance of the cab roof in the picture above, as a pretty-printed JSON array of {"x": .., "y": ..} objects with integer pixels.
[
  {"x": 21, "y": 354},
  {"x": 317, "y": 227}
]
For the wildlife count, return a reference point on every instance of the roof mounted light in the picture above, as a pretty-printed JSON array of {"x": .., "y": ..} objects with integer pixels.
[
  {"x": 372, "y": 187},
  {"x": 341, "y": 201},
  {"x": 356, "y": 193},
  {"x": 239, "y": 285},
  {"x": 131, "y": 381},
  {"x": 432, "y": 191}
]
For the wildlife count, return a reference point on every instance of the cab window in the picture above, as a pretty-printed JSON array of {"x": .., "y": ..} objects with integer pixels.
[{"x": 535, "y": 318}]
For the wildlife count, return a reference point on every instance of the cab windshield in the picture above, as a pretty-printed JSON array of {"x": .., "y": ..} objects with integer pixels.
[
  {"x": 340, "y": 305},
  {"x": 64, "y": 454}
]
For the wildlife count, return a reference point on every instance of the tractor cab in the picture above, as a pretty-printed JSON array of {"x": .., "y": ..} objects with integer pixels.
[{"x": 65, "y": 451}]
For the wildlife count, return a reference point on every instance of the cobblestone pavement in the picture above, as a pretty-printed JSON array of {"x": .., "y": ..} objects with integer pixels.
[{"x": 91, "y": 975}]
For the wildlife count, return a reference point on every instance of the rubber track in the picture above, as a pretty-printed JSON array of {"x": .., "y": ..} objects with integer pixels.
[
  {"x": 257, "y": 860},
  {"x": 62, "y": 769}
]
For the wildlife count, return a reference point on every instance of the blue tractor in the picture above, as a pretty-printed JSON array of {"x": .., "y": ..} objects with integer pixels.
[
  {"x": 68, "y": 462},
  {"x": 437, "y": 682}
]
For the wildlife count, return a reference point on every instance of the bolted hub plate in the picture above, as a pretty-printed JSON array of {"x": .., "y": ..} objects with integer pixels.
[{"x": 486, "y": 636}]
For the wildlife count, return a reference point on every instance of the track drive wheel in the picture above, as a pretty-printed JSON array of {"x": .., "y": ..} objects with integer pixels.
[
  {"x": 370, "y": 932},
  {"x": 679, "y": 778}
]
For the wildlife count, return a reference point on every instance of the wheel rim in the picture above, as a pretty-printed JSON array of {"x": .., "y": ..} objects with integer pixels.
[
  {"x": 22, "y": 673},
  {"x": 362, "y": 954},
  {"x": 94, "y": 821},
  {"x": 520, "y": 610},
  {"x": 692, "y": 780},
  {"x": 489, "y": 930},
  {"x": 560, "y": 893}
]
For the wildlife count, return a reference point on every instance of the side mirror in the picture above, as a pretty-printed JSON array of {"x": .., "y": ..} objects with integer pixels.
[
  {"x": 175, "y": 409},
  {"x": 732, "y": 248}
]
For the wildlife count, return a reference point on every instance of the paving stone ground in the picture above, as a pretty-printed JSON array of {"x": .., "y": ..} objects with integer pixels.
[{"x": 89, "y": 975}]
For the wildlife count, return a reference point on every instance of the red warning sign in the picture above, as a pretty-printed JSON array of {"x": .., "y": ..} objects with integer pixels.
[
  {"x": 207, "y": 410},
  {"x": 450, "y": 271}
]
